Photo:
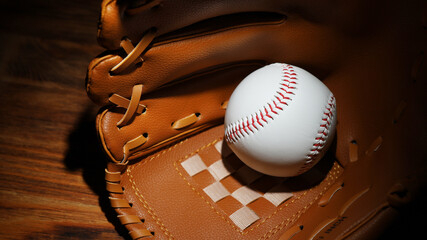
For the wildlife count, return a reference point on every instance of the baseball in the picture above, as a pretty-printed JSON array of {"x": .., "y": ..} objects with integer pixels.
[{"x": 280, "y": 120}]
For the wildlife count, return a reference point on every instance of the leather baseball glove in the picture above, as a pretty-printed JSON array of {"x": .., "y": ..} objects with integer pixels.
[{"x": 164, "y": 82}]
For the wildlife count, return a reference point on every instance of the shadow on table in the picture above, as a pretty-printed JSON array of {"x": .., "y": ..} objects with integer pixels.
[{"x": 85, "y": 152}]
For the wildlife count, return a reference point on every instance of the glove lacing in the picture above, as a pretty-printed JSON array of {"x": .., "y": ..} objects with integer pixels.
[{"x": 133, "y": 105}]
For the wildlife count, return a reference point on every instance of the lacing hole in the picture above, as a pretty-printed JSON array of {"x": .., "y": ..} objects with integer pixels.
[
  {"x": 123, "y": 188},
  {"x": 142, "y": 220},
  {"x": 138, "y": 3},
  {"x": 402, "y": 193},
  {"x": 301, "y": 227},
  {"x": 224, "y": 105},
  {"x": 154, "y": 8},
  {"x": 152, "y": 233},
  {"x": 197, "y": 114},
  {"x": 144, "y": 110},
  {"x": 145, "y": 135},
  {"x": 138, "y": 64},
  {"x": 353, "y": 142},
  {"x": 130, "y": 204}
]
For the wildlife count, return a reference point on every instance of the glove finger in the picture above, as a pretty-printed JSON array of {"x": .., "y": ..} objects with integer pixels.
[
  {"x": 133, "y": 18},
  {"x": 168, "y": 61}
]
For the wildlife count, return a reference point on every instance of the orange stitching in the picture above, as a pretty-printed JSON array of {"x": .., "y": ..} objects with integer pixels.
[
  {"x": 146, "y": 206},
  {"x": 297, "y": 198},
  {"x": 226, "y": 219},
  {"x": 161, "y": 153},
  {"x": 141, "y": 198},
  {"x": 138, "y": 153},
  {"x": 331, "y": 179},
  {"x": 336, "y": 170},
  {"x": 278, "y": 209}
]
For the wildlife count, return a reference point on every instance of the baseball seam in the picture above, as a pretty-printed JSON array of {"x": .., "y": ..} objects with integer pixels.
[
  {"x": 241, "y": 128},
  {"x": 322, "y": 135}
]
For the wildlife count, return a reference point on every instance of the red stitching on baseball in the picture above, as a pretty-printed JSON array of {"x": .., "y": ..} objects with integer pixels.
[
  {"x": 281, "y": 94},
  {"x": 249, "y": 125},
  {"x": 292, "y": 82},
  {"x": 276, "y": 106},
  {"x": 253, "y": 123},
  {"x": 266, "y": 113},
  {"x": 321, "y": 140},
  {"x": 286, "y": 91},
  {"x": 271, "y": 109},
  {"x": 257, "y": 119},
  {"x": 280, "y": 101},
  {"x": 262, "y": 116},
  {"x": 288, "y": 81},
  {"x": 240, "y": 129}
]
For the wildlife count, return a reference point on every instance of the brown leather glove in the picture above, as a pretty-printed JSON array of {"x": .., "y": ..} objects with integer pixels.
[{"x": 164, "y": 83}]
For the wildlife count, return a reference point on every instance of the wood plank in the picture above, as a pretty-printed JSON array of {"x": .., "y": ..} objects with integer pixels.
[{"x": 51, "y": 165}]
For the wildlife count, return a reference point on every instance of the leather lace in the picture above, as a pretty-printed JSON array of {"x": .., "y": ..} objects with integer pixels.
[
  {"x": 133, "y": 53},
  {"x": 134, "y": 56},
  {"x": 133, "y": 106}
]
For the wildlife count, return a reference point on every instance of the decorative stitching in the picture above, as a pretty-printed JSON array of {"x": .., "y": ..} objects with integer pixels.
[
  {"x": 333, "y": 177},
  {"x": 176, "y": 164},
  {"x": 322, "y": 136},
  {"x": 239, "y": 129},
  {"x": 330, "y": 178},
  {"x": 140, "y": 196},
  {"x": 146, "y": 206}
]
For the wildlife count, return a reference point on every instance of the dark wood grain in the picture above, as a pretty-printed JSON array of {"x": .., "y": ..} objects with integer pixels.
[{"x": 51, "y": 167}]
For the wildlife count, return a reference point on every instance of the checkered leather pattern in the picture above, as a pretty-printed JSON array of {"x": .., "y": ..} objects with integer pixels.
[{"x": 227, "y": 181}]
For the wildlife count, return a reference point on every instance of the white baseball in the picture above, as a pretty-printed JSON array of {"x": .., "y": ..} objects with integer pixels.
[{"x": 280, "y": 120}]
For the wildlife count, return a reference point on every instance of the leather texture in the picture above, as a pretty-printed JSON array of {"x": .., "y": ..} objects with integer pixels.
[{"x": 168, "y": 166}]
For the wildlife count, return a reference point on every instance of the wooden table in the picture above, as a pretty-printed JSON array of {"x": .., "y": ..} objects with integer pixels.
[{"x": 51, "y": 166}]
